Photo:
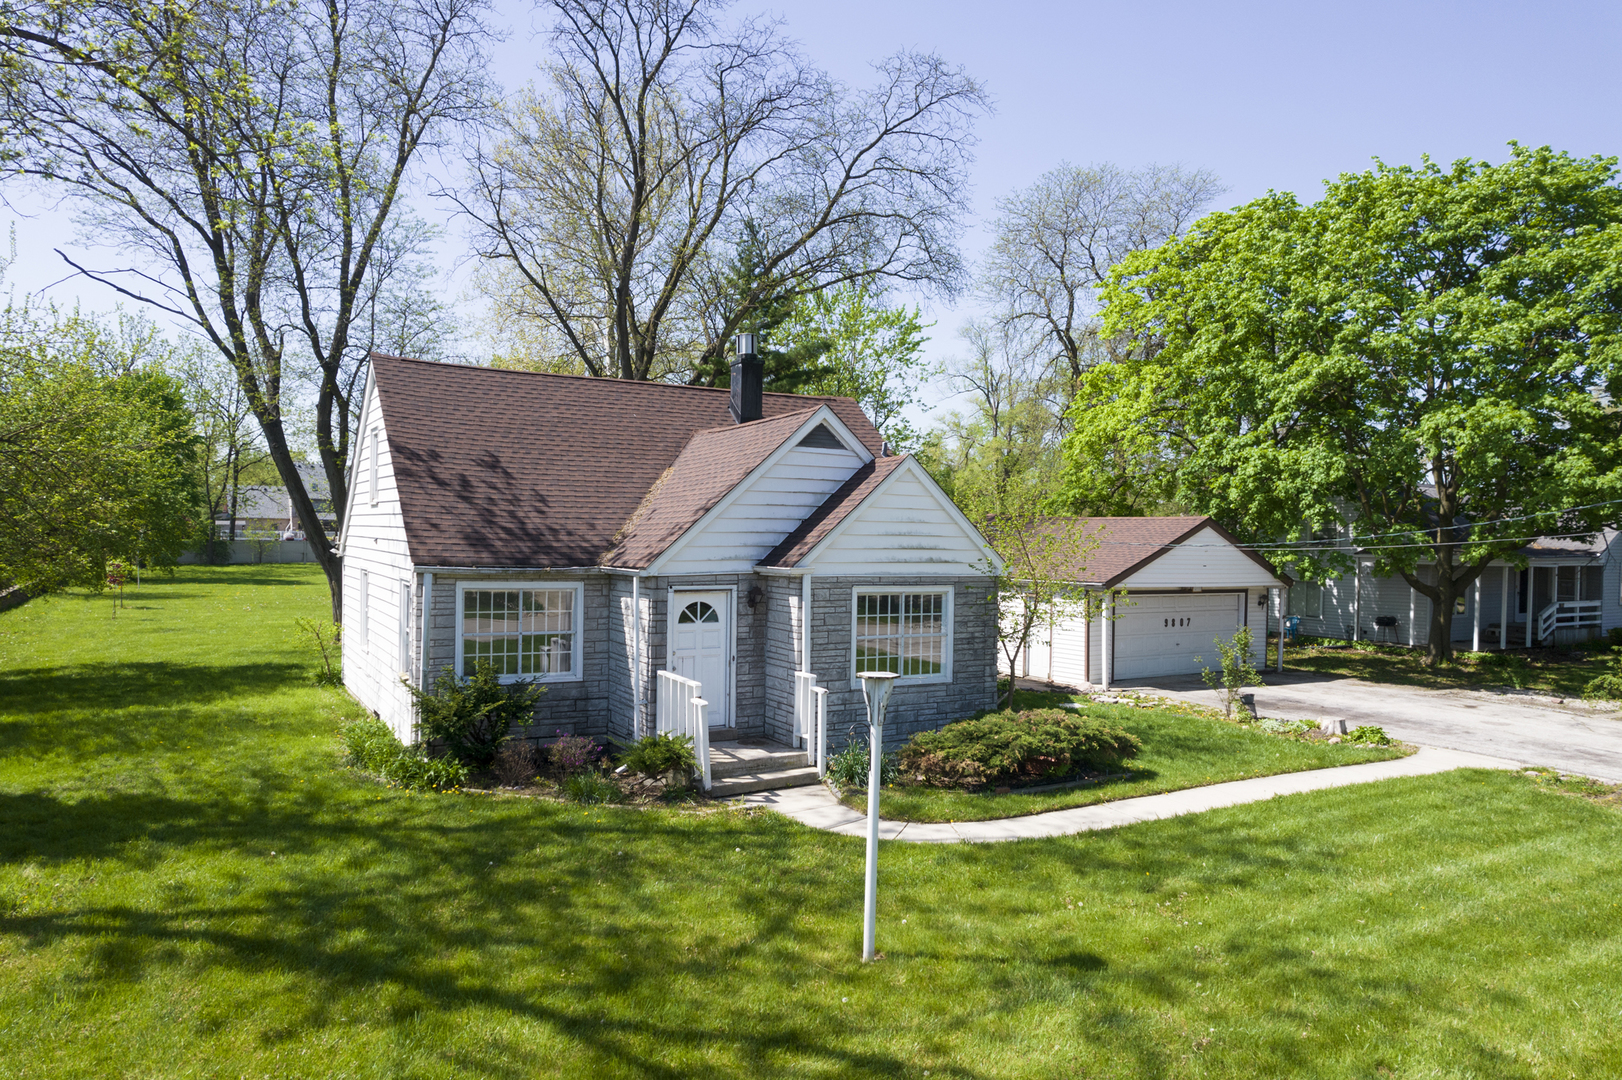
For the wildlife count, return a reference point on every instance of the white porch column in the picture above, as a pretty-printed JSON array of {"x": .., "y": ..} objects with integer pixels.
[
  {"x": 1109, "y": 636},
  {"x": 1475, "y": 632},
  {"x": 1357, "y": 599},
  {"x": 1280, "y": 594},
  {"x": 1413, "y": 612},
  {"x": 805, "y": 622},
  {"x": 1503, "y": 612},
  {"x": 1086, "y": 638},
  {"x": 1531, "y": 607}
]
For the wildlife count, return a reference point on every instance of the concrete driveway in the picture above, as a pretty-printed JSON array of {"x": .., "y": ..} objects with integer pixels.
[{"x": 1536, "y": 731}]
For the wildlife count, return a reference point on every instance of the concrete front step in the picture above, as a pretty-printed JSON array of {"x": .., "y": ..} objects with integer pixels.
[
  {"x": 762, "y": 781},
  {"x": 733, "y": 759}
]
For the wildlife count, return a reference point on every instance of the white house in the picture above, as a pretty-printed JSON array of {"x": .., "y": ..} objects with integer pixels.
[
  {"x": 653, "y": 553},
  {"x": 1168, "y": 587},
  {"x": 1572, "y": 589}
]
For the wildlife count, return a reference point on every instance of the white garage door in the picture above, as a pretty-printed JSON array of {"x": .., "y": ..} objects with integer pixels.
[{"x": 1161, "y": 635}]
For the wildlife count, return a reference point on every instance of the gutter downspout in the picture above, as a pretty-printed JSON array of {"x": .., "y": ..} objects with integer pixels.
[
  {"x": 805, "y": 622},
  {"x": 427, "y": 616},
  {"x": 636, "y": 656}
]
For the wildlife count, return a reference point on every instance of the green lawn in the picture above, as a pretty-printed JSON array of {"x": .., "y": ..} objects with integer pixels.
[
  {"x": 1181, "y": 749},
  {"x": 190, "y": 886},
  {"x": 1560, "y": 672}
]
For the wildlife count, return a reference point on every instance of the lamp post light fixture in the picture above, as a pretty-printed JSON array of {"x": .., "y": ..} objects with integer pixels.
[{"x": 876, "y": 686}]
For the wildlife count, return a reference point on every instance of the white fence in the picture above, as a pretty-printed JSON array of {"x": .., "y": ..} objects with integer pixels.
[
  {"x": 811, "y": 718},
  {"x": 1567, "y": 615},
  {"x": 681, "y": 711},
  {"x": 236, "y": 552}
]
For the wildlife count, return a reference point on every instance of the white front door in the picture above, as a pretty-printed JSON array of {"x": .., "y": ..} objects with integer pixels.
[{"x": 701, "y": 648}]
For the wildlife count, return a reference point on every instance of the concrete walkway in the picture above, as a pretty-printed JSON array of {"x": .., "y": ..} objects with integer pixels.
[{"x": 816, "y": 806}]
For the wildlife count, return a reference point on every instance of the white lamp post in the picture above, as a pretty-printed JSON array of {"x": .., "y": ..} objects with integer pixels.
[{"x": 876, "y": 687}]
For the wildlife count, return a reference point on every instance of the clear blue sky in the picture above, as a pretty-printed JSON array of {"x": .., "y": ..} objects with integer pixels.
[{"x": 1268, "y": 95}]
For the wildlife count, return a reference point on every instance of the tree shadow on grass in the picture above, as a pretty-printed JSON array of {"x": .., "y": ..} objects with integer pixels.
[{"x": 150, "y": 683}]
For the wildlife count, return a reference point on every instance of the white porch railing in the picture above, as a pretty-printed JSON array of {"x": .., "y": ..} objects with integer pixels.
[
  {"x": 811, "y": 718},
  {"x": 1566, "y": 614},
  {"x": 681, "y": 711}
]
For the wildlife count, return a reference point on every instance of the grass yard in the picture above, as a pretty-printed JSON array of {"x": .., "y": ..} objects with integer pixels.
[
  {"x": 1561, "y": 672},
  {"x": 191, "y": 887},
  {"x": 1181, "y": 749}
]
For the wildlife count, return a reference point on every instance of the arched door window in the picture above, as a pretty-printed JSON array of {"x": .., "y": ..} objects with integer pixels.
[{"x": 698, "y": 612}]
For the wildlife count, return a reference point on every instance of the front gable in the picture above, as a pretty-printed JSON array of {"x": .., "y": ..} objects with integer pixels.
[
  {"x": 1203, "y": 560},
  {"x": 770, "y": 502},
  {"x": 906, "y": 526}
]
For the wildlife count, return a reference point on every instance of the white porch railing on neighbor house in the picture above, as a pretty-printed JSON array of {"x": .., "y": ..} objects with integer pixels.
[
  {"x": 1567, "y": 614},
  {"x": 681, "y": 711},
  {"x": 811, "y": 718}
]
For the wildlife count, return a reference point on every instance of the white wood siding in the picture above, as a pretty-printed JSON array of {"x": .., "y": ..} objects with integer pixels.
[
  {"x": 1056, "y": 654},
  {"x": 769, "y": 507},
  {"x": 375, "y": 542},
  {"x": 907, "y": 526},
  {"x": 1205, "y": 560}
]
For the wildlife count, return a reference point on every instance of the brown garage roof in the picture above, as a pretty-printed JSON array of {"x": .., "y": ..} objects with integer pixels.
[
  {"x": 515, "y": 468},
  {"x": 1111, "y": 549}
]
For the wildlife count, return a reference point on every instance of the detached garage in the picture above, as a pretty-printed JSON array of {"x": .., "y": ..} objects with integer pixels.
[{"x": 1175, "y": 584}]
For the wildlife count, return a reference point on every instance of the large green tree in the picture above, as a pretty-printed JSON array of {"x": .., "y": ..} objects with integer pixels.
[
  {"x": 1425, "y": 358},
  {"x": 97, "y": 453}
]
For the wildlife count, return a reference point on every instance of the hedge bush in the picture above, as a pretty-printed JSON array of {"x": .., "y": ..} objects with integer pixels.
[
  {"x": 472, "y": 716},
  {"x": 1009, "y": 747}
]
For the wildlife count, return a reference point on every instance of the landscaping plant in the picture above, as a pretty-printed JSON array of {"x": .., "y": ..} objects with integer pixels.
[
  {"x": 517, "y": 764},
  {"x": 1237, "y": 671},
  {"x": 573, "y": 754},
  {"x": 659, "y": 754},
  {"x": 590, "y": 788},
  {"x": 472, "y": 715},
  {"x": 372, "y": 747},
  {"x": 1006, "y": 747},
  {"x": 848, "y": 769},
  {"x": 1609, "y": 685},
  {"x": 328, "y": 641},
  {"x": 1368, "y": 733}
]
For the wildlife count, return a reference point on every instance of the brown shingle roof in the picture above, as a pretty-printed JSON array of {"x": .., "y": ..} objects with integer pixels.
[
  {"x": 838, "y": 506},
  {"x": 712, "y": 464},
  {"x": 1113, "y": 548},
  {"x": 514, "y": 468}
]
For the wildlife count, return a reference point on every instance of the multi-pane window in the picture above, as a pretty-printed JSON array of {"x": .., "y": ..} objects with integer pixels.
[
  {"x": 907, "y": 633},
  {"x": 526, "y": 632}
]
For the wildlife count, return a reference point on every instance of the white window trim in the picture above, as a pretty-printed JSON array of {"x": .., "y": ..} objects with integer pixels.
[
  {"x": 365, "y": 612},
  {"x": 576, "y": 663},
  {"x": 405, "y": 628},
  {"x": 371, "y": 471},
  {"x": 948, "y": 619}
]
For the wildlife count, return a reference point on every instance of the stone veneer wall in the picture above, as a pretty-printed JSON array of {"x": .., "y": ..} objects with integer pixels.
[
  {"x": 580, "y": 707},
  {"x": 920, "y": 707}
]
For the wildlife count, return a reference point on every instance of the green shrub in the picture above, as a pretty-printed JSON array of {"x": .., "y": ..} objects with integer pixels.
[
  {"x": 848, "y": 768},
  {"x": 590, "y": 788},
  {"x": 1004, "y": 747},
  {"x": 659, "y": 754},
  {"x": 1608, "y": 686},
  {"x": 369, "y": 745},
  {"x": 1236, "y": 671},
  {"x": 1368, "y": 733},
  {"x": 472, "y": 716},
  {"x": 1286, "y": 727}
]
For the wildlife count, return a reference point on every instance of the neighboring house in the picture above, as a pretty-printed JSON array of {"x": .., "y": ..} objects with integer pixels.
[
  {"x": 1175, "y": 585},
  {"x": 1573, "y": 589},
  {"x": 634, "y": 545},
  {"x": 264, "y": 509}
]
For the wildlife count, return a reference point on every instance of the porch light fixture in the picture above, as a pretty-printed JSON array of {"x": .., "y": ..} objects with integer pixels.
[
  {"x": 876, "y": 687},
  {"x": 754, "y": 596}
]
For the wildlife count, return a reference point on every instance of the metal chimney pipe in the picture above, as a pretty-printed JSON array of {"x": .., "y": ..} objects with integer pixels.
[{"x": 748, "y": 377}]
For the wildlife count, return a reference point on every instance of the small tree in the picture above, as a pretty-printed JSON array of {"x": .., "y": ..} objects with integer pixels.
[
  {"x": 1237, "y": 670},
  {"x": 1043, "y": 560}
]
